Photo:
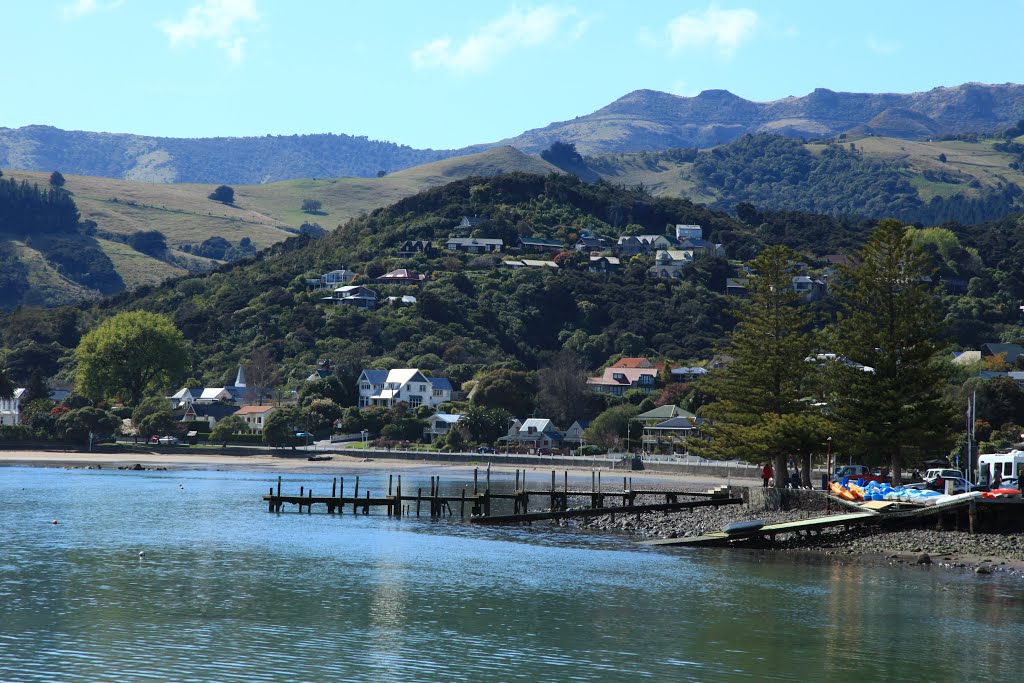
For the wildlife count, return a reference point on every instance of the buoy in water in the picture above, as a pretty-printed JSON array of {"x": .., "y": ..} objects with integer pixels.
[
  {"x": 53, "y": 522},
  {"x": 142, "y": 553}
]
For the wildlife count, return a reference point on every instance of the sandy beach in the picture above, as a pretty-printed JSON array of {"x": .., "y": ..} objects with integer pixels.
[{"x": 267, "y": 462}]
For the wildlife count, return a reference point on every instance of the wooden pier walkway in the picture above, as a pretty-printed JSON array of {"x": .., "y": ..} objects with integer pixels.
[{"x": 479, "y": 502}]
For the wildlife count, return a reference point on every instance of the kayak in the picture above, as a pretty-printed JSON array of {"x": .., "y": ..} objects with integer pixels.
[
  {"x": 736, "y": 527},
  {"x": 841, "y": 491},
  {"x": 1001, "y": 493}
]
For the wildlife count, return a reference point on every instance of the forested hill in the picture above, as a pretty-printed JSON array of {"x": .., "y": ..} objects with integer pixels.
[
  {"x": 244, "y": 160},
  {"x": 652, "y": 120},
  {"x": 474, "y": 314}
]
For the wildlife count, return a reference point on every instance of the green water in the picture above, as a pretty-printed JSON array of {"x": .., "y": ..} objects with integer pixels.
[{"x": 229, "y": 592}]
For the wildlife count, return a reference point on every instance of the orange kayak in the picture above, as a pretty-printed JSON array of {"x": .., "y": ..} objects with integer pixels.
[{"x": 841, "y": 491}]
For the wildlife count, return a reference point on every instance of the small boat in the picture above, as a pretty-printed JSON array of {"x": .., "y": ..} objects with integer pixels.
[
  {"x": 319, "y": 458},
  {"x": 737, "y": 527},
  {"x": 841, "y": 491}
]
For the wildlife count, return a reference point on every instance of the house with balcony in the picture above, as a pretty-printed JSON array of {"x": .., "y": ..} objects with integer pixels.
[
  {"x": 603, "y": 264},
  {"x": 533, "y": 434},
  {"x": 353, "y": 295},
  {"x": 590, "y": 242},
  {"x": 405, "y": 385},
  {"x": 670, "y": 263},
  {"x": 631, "y": 245},
  {"x": 619, "y": 380},
  {"x": 439, "y": 424},
  {"x": 474, "y": 245},
  {"x": 412, "y": 247},
  {"x": 538, "y": 245},
  {"x": 333, "y": 279},
  {"x": 402, "y": 276}
]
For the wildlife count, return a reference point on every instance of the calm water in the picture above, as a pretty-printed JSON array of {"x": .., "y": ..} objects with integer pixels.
[{"x": 230, "y": 592}]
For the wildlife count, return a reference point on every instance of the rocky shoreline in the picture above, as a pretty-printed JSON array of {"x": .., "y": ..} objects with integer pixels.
[{"x": 982, "y": 553}]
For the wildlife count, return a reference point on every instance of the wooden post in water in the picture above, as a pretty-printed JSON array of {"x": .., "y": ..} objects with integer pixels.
[
  {"x": 341, "y": 496},
  {"x": 309, "y": 505},
  {"x": 462, "y": 504},
  {"x": 355, "y": 495},
  {"x": 279, "y": 486},
  {"x": 366, "y": 507},
  {"x": 398, "y": 495},
  {"x": 271, "y": 501},
  {"x": 475, "y": 473},
  {"x": 334, "y": 484},
  {"x": 419, "y": 499},
  {"x": 552, "y": 506}
]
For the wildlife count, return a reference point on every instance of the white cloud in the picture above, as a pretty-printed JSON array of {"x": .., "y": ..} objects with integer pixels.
[
  {"x": 882, "y": 47},
  {"x": 723, "y": 30},
  {"x": 517, "y": 29},
  {"x": 216, "y": 21},
  {"x": 81, "y": 8}
]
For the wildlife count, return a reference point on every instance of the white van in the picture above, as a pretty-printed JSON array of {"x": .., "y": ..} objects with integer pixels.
[{"x": 1008, "y": 465}]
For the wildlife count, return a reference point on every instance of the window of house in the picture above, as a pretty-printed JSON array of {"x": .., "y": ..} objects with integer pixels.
[
  {"x": 415, "y": 401},
  {"x": 365, "y": 386}
]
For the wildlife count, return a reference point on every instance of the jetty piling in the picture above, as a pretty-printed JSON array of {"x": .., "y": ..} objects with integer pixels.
[{"x": 397, "y": 504}]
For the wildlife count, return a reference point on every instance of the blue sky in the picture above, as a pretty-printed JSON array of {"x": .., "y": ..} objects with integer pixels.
[{"x": 448, "y": 74}]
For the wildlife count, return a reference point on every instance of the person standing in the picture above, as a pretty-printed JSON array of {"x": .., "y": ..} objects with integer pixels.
[
  {"x": 997, "y": 476},
  {"x": 766, "y": 474},
  {"x": 1020, "y": 479}
]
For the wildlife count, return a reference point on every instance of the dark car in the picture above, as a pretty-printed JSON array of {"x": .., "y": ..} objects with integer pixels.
[
  {"x": 545, "y": 451},
  {"x": 486, "y": 449}
]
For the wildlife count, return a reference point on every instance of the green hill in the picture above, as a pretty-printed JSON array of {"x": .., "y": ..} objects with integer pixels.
[{"x": 265, "y": 214}]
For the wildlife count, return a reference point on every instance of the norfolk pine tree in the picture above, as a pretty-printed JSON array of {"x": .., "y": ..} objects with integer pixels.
[
  {"x": 757, "y": 412},
  {"x": 889, "y": 321}
]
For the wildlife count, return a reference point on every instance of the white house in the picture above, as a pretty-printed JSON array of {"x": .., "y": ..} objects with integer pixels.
[
  {"x": 353, "y": 295},
  {"x": 255, "y": 417},
  {"x": 671, "y": 262},
  {"x": 409, "y": 385},
  {"x": 333, "y": 279},
  {"x": 439, "y": 424},
  {"x": 533, "y": 433},
  {"x": 10, "y": 408}
]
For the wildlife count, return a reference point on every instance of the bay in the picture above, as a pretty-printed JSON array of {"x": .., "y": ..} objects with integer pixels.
[{"x": 227, "y": 591}]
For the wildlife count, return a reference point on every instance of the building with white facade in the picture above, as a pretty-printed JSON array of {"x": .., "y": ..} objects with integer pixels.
[{"x": 408, "y": 385}]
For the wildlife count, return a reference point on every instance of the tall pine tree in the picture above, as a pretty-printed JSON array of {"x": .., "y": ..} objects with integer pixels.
[
  {"x": 757, "y": 413},
  {"x": 889, "y": 321}
]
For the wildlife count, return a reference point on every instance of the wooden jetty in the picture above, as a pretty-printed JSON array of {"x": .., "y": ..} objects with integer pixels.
[{"x": 479, "y": 502}]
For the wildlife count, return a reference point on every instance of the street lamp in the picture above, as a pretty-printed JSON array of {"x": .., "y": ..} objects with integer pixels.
[{"x": 829, "y": 470}]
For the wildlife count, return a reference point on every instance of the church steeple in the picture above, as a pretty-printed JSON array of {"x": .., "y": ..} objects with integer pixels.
[{"x": 240, "y": 379}]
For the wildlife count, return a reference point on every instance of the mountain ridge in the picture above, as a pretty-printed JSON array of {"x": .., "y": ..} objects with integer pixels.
[{"x": 641, "y": 120}]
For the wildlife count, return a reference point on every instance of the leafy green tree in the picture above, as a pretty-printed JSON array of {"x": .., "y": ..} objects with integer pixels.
[
  {"x": 612, "y": 428},
  {"x": 322, "y": 413},
  {"x": 227, "y": 428},
  {"x": 36, "y": 388},
  {"x": 280, "y": 428},
  {"x": 153, "y": 417},
  {"x": 890, "y": 322},
  {"x": 56, "y": 179},
  {"x": 311, "y": 205},
  {"x": 130, "y": 354},
  {"x": 330, "y": 387},
  {"x": 6, "y": 383},
  {"x": 76, "y": 425},
  {"x": 223, "y": 194},
  {"x": 757, "y": 396},
  {"x": 510, "y": 390},
  {"x": 484, "y": 425}
]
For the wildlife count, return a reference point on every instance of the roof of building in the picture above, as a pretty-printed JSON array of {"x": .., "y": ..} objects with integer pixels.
[
  {"x": 1011, "y": 350},
  {"x": 403, "y": 274},
  {"x": 966, "y": 357},
  {"x": 612, "y": 260},
  {"x": 450, "y": 418},
  {"x": 689, "y": 371},
  {"x": 441, "y": 383},
  {"x": 680, "y": 422},
  {"x": 538, "y": 424},
  {"x": 626, "y": 376},
  {"x": 212, "y": 393},
  {"x": 214, "y": 410},
  {"x": 664, "y": 412},
  {"x": 403, "y": 375},
  {"x": 254, "y": 410},
  {"x": 540, "y": 242},
  {"x": 629, "y": 362},
  {"x": 473, "y": 240}
]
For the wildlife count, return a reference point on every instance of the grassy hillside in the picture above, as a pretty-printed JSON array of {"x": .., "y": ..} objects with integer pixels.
[
  {"x": 884, "y": 177},
  {"x": 266, "y": 214}
]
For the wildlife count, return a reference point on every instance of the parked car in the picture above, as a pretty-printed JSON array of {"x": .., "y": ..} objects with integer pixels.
[
  {"x": 854, "y": 472},
  {"x": 169, "y": 441},
  {"x": 945, "y": 473},
  {"x": 155, "y": 439},
  {"x": 486, "y": 449},
  {"x": 545, "y": 451},
  {"x": 960, "y": 485}
]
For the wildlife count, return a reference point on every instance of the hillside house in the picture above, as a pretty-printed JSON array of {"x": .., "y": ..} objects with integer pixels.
[
  {"x": 631, "y": 245},
  {"x": 685, "y": 374},
  {"x": 1011, "y": 351},
  {"x": 467, "y": 225},
  {"x": 255, "y": 417},
  {"x": 402, "y": 276},
  {"x": 701, "y": 247},
  {"x": 670, "y": 263},
  {"x": 353, "y": 295},
  {"x": 689, "y": 232},
  {"x": 10, "y": 408},
  {"x": 333, "y": 279},
  {"x": 603, "y": 264},
  {"x": 532, "y": 434},
  {"x": 408, "y": 385},
  {"x": 474, "y": 245},
  {"x": 671, "y": 435},
  {"x": 619, "y": 380},
  {"x": 412, "y": 247},
  {"x": 539, "y": 245},
  {"x": 591, "y": 242},
  {"x": 516, "y": 264},
  {"x": 736, "y": 286}
]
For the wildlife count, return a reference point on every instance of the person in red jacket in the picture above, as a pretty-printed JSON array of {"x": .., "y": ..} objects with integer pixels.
[{"x": 766, "y": 474}]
